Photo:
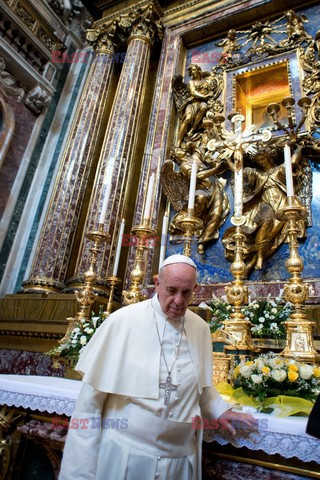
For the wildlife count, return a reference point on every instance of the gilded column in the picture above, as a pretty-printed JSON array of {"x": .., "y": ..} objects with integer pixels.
[
  {"x": 52, "y": 256},
  {"x": 120, "y": 138}
]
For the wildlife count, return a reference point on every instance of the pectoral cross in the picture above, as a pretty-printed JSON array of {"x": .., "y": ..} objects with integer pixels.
[
  {"x": 168, "y": 388},
  {"x": 234, "y": 144}
]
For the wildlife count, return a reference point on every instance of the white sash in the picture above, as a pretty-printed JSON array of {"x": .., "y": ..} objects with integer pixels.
[{"x": 153, "y": 434}]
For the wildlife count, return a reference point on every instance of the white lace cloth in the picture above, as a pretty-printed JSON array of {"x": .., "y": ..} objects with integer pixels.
[
  {"x": 285, "y": 436},
  {"x": 47, "y": 394}
]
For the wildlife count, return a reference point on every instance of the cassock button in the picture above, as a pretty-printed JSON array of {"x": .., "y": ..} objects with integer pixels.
[
  {"x": 159, "y": 458},
  {"x": 157, "y": 475}
]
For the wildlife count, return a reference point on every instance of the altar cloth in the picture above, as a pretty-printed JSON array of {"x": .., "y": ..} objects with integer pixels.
[
  {"x": 285, "y": 436},
  {"x": 46, "y": 394}
]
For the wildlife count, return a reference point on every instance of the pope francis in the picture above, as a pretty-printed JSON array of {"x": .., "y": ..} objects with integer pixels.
[{"x": 146, "y": 377}]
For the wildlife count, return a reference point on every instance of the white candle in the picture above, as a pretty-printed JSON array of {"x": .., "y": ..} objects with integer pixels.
[
  {"x": 192, "y": 188},
  {"x": 147, "y": 208},
  {"x": 106, "y": 188},
  {"x": 116, "y": 260},
  {"x": 163, "y": 240},
  {"x": 238, "y": 190},
  {"x": 288, "y": 168}
]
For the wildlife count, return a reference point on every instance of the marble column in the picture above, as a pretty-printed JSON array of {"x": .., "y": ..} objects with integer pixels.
[
  {"x": 119, "y": 142},
  {"x": 156, "y": 144},
  {"x": 53, "y": 251}
]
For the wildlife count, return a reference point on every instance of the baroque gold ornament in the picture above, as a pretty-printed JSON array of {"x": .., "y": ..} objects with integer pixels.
[
  {"x": 144, "y": 235},
  {"x": 299, "y": 343},
  {"x": 237, "y": 326}
]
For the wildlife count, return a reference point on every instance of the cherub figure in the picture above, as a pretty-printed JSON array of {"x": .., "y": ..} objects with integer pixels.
[
  {"x": 295, "y": 27},
  {"x": 229, "y": 45}
]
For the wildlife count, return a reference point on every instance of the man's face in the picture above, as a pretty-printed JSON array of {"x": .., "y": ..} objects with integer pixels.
[{"x": 174, "y": 287}]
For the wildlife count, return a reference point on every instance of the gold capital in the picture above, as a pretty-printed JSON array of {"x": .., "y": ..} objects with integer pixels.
[{"x": 102, "y": 37}]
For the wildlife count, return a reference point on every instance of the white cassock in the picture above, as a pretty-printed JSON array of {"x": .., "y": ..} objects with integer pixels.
[{"x": 131, "y": 434}]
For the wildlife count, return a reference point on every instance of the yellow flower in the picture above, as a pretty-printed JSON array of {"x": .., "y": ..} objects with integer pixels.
[
  {"x": 278, "y": 361},
  {"x": 293, "y": 368},
  {"x": 292, "y": 376},
  {"x": 265, "y": 371},
  {"x": 236, "y": 371},
  {"x": 316, "y": 372},
  {"x": 249, "y": 363}
]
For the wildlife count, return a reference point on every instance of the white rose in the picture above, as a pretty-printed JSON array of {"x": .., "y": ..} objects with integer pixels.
[
  {"x": 306, "y": 371},
  {"x": 256, "y": 378},
  {"x": 274, "y": 310},
  {"x": 83, "y": 340},
  {"x": 279, "y": 375},
  {"x": 245, "y": 371},
  {"x": 257, "y": 328},
  {"x": 89, "y": 330},
  {"x": 276, "y": 362},
  {"x": 261, "y": 319},
  {"x": 260, "y": 364}
]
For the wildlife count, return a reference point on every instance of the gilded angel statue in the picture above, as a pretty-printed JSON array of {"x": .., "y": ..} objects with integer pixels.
[
  {"x": 211, "y": 201},
  {"x": 193, "y": 99},
  {"x": 264, "y": 194}
]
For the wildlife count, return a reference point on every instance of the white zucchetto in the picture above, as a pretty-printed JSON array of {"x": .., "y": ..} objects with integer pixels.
[{"x": 178, "y": 259}]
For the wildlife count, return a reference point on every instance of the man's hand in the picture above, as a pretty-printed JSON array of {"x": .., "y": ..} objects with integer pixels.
[{"x": 242, "y": 421}]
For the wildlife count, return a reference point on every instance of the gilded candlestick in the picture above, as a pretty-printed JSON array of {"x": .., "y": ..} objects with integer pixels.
[
  {"x": 189, "y": 224},
  {"x": 113, "y": 281},
  {"x": 299, "y": 342},
  {"x": 237, "y": 293},
  {"x": 86, "y": 296},
  {"x": 144, "y": 235}
]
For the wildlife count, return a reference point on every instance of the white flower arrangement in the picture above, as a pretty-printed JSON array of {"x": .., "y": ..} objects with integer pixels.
[
  {"x": 79, "y": 336},
  {"x": 266, "y": 316},
  {"x": 270, "y": 375}
]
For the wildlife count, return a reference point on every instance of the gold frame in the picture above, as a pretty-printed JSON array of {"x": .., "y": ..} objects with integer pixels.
[{"x": 263, "y": 101}]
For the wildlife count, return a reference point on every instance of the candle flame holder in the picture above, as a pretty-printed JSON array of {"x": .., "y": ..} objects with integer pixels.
[
  {"x": 86, "y": 296},
  {"x": 113, "y": 281},
  {"x": 299, "y": 342},
  {"x": 237, "y": 327},
  {"x": 142, "y": 232},
  {"x": 189, "y": 224},
  {"x": 288, "y": 103}
]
